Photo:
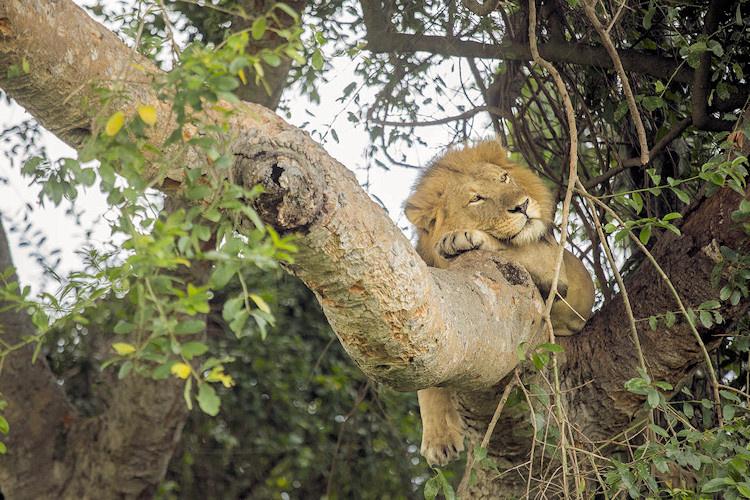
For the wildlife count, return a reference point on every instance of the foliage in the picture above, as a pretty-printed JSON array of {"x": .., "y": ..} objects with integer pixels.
[{"x": 152, "y": 266}]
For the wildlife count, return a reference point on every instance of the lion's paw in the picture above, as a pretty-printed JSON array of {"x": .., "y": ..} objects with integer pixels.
[
  {"x": 439, "y": 449},
  {"x": 456, "y": 242}
]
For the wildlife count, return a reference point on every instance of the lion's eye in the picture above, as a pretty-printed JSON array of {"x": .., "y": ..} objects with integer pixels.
[
  {"x": 475, "y": 199},
  {"x": 504, "y": 178}
]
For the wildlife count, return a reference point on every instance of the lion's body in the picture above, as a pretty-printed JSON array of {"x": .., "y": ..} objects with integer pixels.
[{"x": 476, "y": 198}]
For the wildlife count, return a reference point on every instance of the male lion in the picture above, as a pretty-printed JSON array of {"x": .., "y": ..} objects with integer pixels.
[{"x": 475, "y": 198}]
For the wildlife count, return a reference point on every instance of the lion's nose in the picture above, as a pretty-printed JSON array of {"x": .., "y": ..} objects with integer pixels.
[{"x": 520, "y": 209}]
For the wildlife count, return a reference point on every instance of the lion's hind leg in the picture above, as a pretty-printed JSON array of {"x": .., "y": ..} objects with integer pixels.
[{"x": 442, "y": 427}]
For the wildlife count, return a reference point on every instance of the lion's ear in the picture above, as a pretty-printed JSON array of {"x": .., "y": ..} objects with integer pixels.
[{"x": 422, "y": 216}]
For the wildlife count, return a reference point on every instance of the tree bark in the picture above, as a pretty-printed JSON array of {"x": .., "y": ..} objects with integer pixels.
[{"x": 406, "y": 325}]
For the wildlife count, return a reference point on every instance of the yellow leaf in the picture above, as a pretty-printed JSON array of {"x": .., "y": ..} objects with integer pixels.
[
  {"x": 147, "y": 114},
  {"x": 241, "y": 74},
  {"x": 258, "y": 70},
  {"x": 181, "y": 370},
  {"x": 122, "y": 348},
  {"x": 218, "y": 376},
  {"x": 114, "y": 124},
  {"x": 262, "y": 304}
]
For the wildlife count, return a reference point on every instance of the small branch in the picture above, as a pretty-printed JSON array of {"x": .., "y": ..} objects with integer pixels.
[
  {"x": 612, "y": 51},
  {"x": 674, "y": 133},
  {"x": 464, "y": 485},
  {"x": 572, "y": 176},
  {"x": 701, "y": 82},
  {"x": 623, "y": 292},
  {"x": 441, "y": 121},
  {"x": 360, "y": 398}
]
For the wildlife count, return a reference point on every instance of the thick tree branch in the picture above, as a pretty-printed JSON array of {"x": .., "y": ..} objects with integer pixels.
[
  {"x": 382, "y": 39},
  {"x": 405, "y": 325}
]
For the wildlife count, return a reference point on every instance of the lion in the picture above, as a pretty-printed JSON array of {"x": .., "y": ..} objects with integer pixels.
[{"x": 477, "y": 199}]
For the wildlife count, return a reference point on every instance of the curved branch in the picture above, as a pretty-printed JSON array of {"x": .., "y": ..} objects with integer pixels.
[
  {"x": 492, "y": 110},
  {"x": 612, "y": 51},
  {"x": 673, "y": 134}
]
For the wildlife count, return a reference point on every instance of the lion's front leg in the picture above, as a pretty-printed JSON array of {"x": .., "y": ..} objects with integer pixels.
[
  {"x": 442, "y": 427},
  {"x": 454, "y": 243}
]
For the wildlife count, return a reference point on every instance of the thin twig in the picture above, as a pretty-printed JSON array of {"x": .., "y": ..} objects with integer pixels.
[
  {"x": 493, "y": 110},
  {"x": 612, "y": 51},
  {"x": 464, "y": 485},
  {"x": 572, "y": 176},
  {"x": 533, "y": 424},
  {"x": 359, "y": 400},
  {"x": 620, "y": 282}
]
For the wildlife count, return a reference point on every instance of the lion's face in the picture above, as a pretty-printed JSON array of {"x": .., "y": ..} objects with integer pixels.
[
  {"x": 495, "y": 204},
  {"x": 478, "y": 188}
]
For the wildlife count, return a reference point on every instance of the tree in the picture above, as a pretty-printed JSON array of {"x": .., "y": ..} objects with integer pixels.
[{"x": 395, "y": 317}]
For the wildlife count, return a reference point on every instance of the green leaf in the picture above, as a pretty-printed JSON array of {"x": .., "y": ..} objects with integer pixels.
[
  {"x": 519, "y": 351},
  {"x": 658, "y": 430},
  {"x": 728, "y": 412},
  {"x": 730, "y": 395},
  {"x": 191, "y": 349},
  {"x": 670, "y": 318},
  {"x": 652, "y": 102},
  {"x": 208, "y": 400},
  {"x": 163, "y": 371},
  {"x": 317, "y": 59},
  {"x": 551, "y": 347},
  {"x": 645, "y": 234},
  {"x": 710, "y": 304},
  {"x": 540, "y": 360},
  {"x": 259, "y": 28},
  {"x": 744, "y": 489},
  {"x": 653, "y": 398},
  {"x": 717, "y": 484},
  {"x": 682, "y": 195},
  {"x": 123, "y": 327},
  {"x": 706, "y": 319},
  {"x": 431, "y": 488},
  {"x": 271, "y": 59},
  {"x": 652, "y": 322},
  {"x": 4, "y": 427},
  {"x": 198, "y": 192},
  {"x": 125, "y": 369},
  {"x": 189, "y": 327},
  {"x": 290, "y": 11}
]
